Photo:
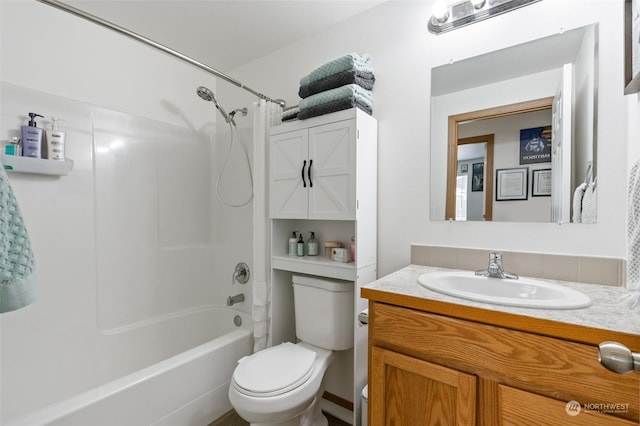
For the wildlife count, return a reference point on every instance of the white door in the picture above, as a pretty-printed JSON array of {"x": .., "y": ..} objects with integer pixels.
[
  {"x": 288, "y": 159},
  {"x": 562, "y": 131},
  {"x": 332, "y": 158}
]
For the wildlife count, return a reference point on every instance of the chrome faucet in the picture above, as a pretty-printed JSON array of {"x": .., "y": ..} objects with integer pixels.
[
  {"x": 232, "y": 300},
  {"x": 495, "y": 269}
]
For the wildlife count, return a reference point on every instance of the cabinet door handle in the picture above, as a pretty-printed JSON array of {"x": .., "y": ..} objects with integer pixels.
[
  {"x": 304, "y": 182},
  {"x": 618, "y": 358},
  {"x": 309, "y": 174}
]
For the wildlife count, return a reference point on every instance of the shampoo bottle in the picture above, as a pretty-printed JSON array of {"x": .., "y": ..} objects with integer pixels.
[
  {"x": 32, "y": 137},
  {"x": 55, "y": 141},
  {"x": 293, "y": 242}
]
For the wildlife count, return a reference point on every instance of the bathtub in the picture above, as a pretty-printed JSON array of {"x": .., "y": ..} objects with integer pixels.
[{"x": 188, "y": 388}]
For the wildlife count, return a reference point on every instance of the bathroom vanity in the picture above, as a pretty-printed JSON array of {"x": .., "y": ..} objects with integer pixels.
[{"x": 437, "y": 359}]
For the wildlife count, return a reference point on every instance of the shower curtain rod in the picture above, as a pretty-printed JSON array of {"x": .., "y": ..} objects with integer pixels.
[{"x": 96, "y": 20}]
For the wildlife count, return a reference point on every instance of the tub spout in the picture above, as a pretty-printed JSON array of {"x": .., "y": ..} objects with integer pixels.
[{"x": 232, "y": 300}]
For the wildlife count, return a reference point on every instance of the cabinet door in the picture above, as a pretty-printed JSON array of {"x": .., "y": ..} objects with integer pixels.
[
  {"x": 332, "y": 154},
  {"x": 288, "y": 161},
  {"x": 408, "y": 391},
  {"x": 520, "y": 408}
]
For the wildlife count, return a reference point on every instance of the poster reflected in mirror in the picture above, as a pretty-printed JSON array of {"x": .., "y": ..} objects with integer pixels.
[
  {"x": 477, "y": 177},
  {"x": 535, "y": 145}
]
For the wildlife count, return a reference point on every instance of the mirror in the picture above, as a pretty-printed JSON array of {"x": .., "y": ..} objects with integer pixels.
[{"x": 513, "y": 132}]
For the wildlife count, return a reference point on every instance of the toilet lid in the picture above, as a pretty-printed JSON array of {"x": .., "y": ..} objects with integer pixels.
[{"x": 274, "y": 371}]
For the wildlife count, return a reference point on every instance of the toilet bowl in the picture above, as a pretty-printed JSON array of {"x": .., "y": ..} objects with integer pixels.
[{"x": 281, "y": 385}]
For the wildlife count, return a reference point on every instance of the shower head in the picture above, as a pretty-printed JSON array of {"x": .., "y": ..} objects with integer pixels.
[{"x": 208, "y": 95}]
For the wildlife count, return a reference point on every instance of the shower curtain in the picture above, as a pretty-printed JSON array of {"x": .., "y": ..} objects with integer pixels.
[{"x": 265, "y": 115}]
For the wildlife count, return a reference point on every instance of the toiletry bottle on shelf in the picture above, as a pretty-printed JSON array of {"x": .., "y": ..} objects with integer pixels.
[
  {"x": 32, "y": 137},
  {"x": 312, "y": 245},
  {"x": 300, "y": 246},
  {"x": 55, "y": 141},
  {"x": 13, "y": 147},
  {"x": 293, "y": 244}
]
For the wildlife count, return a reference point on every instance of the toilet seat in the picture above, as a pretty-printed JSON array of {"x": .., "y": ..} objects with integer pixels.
[{"x": 274, "y": 371}]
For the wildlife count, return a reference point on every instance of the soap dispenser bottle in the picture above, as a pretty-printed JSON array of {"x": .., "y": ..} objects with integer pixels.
[
  {"x": 32, "y": 137},
  {"x": 300, "y": 246},
  {"x": 55, "y": 141},
  {"x": 312, "y": 245}
]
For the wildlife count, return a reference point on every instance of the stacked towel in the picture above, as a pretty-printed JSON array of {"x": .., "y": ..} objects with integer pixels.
[
  {"x": 290, "y": 113},
  {"x": 364, "y": 79},
  {"x": 342, "y": 83},
  {"x": 344, "y": 97},
  {"x": 17, "y": 266}
]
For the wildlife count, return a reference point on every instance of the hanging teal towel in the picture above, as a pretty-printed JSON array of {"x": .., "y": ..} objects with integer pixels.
[{"x": 17, "y": 267}]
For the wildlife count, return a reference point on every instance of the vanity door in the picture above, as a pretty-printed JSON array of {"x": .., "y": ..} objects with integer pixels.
[{"x": 411, "y": 392}]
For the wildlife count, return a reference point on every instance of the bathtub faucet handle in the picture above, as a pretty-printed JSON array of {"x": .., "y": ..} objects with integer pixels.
[{"x": 240, "y": 274}]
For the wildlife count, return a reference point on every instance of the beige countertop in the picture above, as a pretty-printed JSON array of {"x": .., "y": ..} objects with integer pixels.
[{"x": 611, "y": 316}]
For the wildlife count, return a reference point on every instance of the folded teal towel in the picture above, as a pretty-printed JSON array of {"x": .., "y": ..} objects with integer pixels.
[
  {"x": 347, "y": 91},
  {"x": 352, "y": 61},
  {"x": 17, "y": 267}
]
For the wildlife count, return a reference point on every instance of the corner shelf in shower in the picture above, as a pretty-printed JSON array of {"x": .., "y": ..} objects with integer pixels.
[{"x": 13, "y": 163}]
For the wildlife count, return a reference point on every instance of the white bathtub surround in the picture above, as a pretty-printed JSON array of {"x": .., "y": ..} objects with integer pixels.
[
  {"x": 265, "y": 115},
  {"x": 132, "y": 244},
  {"x": 186, "y": 389}
]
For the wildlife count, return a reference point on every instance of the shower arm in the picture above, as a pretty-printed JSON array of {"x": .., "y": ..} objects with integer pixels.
[{"x": 96, "y": 20}]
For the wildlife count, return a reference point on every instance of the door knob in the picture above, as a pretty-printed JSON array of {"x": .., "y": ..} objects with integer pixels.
[{"x": 618, "y": 358}]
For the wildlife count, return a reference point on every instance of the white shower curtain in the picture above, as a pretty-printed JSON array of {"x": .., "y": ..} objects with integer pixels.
[{"x": 265, "y": 115}]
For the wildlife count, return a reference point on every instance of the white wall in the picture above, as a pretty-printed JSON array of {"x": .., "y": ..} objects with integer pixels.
[
  {"x": 118, "y": 220},
  {"x": 403, "y": 51}
]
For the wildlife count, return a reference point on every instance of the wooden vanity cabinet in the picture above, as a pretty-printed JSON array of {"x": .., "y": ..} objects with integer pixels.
[{"x": 433, "y": 369}]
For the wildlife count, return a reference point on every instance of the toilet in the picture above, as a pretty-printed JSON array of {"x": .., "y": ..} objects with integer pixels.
[{"x": 282, "y": 385}]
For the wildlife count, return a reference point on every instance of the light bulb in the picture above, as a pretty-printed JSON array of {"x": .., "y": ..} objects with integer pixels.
[
  {"x": 477, "y": 4},
  {"x": 439, "y": 11}
]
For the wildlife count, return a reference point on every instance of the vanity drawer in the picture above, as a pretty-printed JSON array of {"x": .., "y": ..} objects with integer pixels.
[{"x": 559, "y": 369}]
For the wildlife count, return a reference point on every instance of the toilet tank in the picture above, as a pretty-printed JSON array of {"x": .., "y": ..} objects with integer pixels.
[{"x": 324, "y": 311}]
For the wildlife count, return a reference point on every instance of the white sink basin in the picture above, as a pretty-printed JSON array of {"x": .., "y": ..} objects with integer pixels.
[{"x": 523, "y": 292}]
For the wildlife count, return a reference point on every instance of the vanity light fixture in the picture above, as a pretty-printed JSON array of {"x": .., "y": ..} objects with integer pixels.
[{"x": 448, "y": 15}]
